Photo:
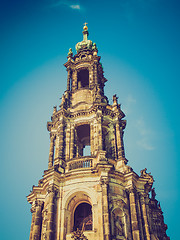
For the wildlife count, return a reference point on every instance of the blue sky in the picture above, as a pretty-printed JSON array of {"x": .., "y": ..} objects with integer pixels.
[{"x": 138, "y": 41}]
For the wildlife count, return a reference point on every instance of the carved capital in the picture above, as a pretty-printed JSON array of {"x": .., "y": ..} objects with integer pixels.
[
  {"x": 68, "y": 69},
  {"x": 142, "y": 197},
  {"x": 131, "y": 190},
  {"x": 33, "y": 209},
  {"x": 52, "y": 189},
  {"x": 102, "y": 156},
  {"x": 39, "y": 203},
  {"x": 104, "y": 181},
  {"x": 118, "y": 203}
]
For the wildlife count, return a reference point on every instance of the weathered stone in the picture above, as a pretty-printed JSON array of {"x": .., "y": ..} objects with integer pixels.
[{"x": 94, "y": 196}]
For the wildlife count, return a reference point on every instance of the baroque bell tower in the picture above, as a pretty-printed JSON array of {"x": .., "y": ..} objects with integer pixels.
[{"x": 89, "y": 191}]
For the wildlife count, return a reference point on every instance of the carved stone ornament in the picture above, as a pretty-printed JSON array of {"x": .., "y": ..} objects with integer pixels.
[
  {"x": 78, "y": 235},
  {"x": 39, "y": 203},
  {"x": 52, "y": 189},
  {"x": 118, "y": 203},
  {"x": 33, "y": 209},
  {"x": 104, "y": 180},
  {"x": 70, "y": 53},
  {"x": 144, "y": 174},
  {"x": 132, "y": 189},
  {"x": 102, "y": 156}
]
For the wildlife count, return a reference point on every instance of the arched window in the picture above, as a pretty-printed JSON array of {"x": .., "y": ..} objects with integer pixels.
[
  {"x": 83, "y": 78},
  {"x": 83, "y": 217}
]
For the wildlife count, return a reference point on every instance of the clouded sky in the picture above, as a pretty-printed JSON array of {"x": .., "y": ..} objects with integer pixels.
[{"x": 138, "y": 41}]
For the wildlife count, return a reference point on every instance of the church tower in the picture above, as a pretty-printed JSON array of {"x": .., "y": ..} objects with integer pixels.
[{"x": 89, "y": 191}]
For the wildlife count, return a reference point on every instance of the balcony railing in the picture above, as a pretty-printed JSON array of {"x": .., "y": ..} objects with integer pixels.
[{"x": 86, "y": 163}]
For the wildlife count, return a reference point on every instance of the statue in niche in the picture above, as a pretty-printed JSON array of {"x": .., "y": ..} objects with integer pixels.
[
  {"x": 119, "y": 233},
  {"x": 153, "y": 194},
  {"x": 64, "y": 101},
  {"x": 44, "y": 225}
]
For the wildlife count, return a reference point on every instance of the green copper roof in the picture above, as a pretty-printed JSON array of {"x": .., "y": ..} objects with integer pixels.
[{"x": 85, "y": 44}]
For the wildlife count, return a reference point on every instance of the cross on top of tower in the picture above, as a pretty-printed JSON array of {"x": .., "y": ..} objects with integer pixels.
[{"x": 85, "y": 26}]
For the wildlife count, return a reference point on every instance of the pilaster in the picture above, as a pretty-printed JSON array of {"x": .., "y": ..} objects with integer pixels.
[
  {"x": 95, "y": 73},
  {"x": 52, "y": 192},
  {"x": 105, "y": 207},
  {"x": 68, "y": 140},
  {"x": 119, "y": 139},
  {"x": 72, "y": 142},
  {"x": 37, "y": 221},
  {"x": 74, "y": 80},
  {"x": 92, "y": 138},
  {"x": 99, "y": 131},
  {"x": 144, "y": 214},
  {"x": 134, "y": 217},
  {"x": 33, "y": 211},
  {"x": 61, "y": 139},
  {"x": 68, "y": 78},
  {"x": 51, "y": 152}
]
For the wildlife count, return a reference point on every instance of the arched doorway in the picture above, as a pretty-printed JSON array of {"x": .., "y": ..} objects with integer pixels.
[{"x": 83, "y": 217}]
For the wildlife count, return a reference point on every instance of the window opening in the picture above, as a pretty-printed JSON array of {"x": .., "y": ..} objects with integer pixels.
[
  {"x": 83, "y": 217},
  {"x": 83, "y": 140},
  {"x": 83, "y": 78},
  {"x": 87, "y": 151}
]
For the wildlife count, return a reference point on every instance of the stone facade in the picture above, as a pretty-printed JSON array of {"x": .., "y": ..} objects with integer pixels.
[{"x": 97, "y": 196}]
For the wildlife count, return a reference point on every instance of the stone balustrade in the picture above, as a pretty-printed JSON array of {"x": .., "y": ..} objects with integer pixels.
[{"x": 80, "y": 163}]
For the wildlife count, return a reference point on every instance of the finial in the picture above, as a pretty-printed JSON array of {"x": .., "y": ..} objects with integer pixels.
[
  {"x": 70, "y": 53},
  {"x": 85, "y": 26}
]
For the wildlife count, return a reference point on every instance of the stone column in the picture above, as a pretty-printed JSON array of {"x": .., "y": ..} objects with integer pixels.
[
  {"x": 61, "y": 139},
  {"x": 72, "y": 143},
  {"x": 37, "y": 221},
  {"x": 119, "y": 139},
  {"x": 105, "y": 207},
  {"x": 134, "y": 217},
  {"x": 51, "y": 152},
  {"x": 95, "y": 136},
  {"x": 68, "y": 142},
  {"x": 52, "y": 191},
  {"x": 114, "y": 142},
  {"x": 95, "y": 73},
  {"x": 91, "y": 82},
  {"x": 99, "y": 133},
  {"x": 68, "y": 79},
  {"x": 33, "y": 211},
  {"x": 144, "y": 213},
  {"x": 92, "y": 138},
  {"x": 59, "y": 211},
  {"x": 122, "y": 142},
  {"x": 74, "y": 80}
]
